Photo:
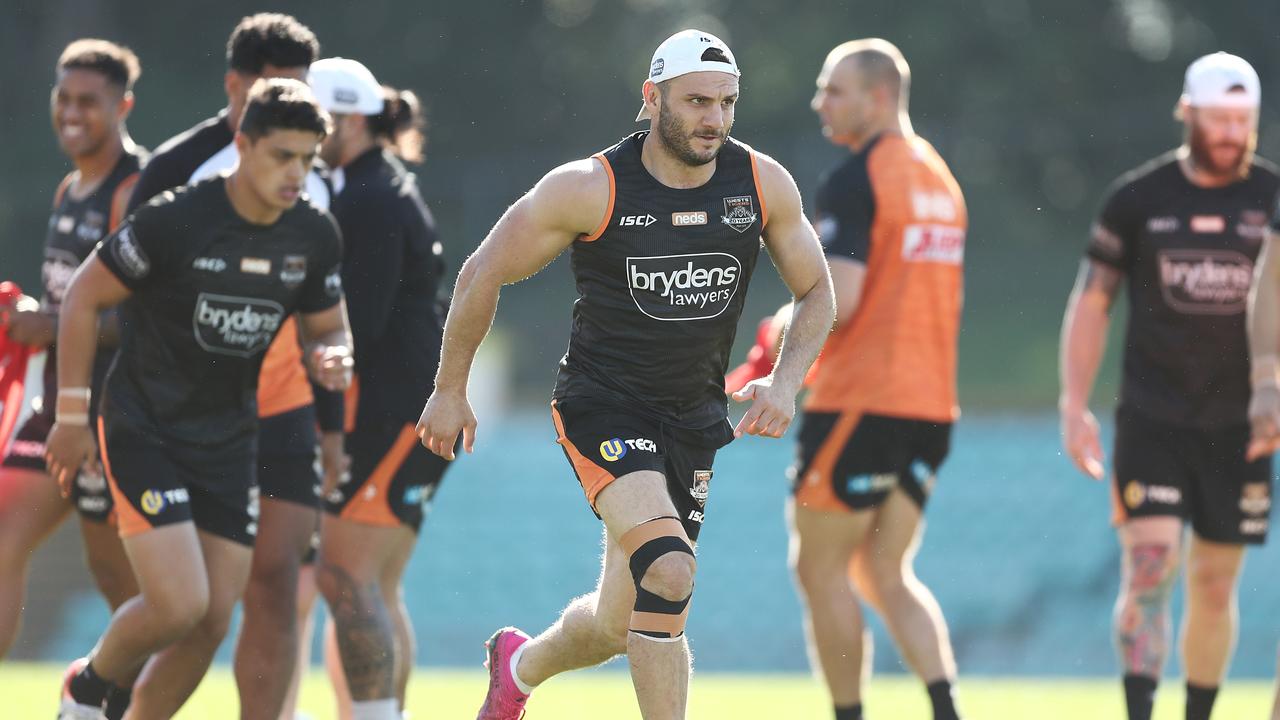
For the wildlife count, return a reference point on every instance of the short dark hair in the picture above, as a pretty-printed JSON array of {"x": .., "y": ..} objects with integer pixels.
[
  {"x": 282, "y": 104},
  {"x": 115, "y": 62},
  {"x": 271, "y": 39}
]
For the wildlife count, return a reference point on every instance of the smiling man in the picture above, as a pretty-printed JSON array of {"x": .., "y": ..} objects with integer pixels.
[
  {"x": 1184, "y": 230},
  {"x": 664, "y": 230}
]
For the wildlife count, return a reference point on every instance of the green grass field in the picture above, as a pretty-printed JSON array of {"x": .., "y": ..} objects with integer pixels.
[{"x": 29, "y": 691}]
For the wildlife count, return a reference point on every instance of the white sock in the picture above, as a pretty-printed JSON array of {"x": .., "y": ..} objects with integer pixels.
[
  {"x": 384, "y": 709},
  {"x": 515, "y": 662}
]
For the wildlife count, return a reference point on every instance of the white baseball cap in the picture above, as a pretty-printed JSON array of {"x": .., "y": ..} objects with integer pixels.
[
  {"x": 345, "y": 87},
  {"x": 1222, "y": 80},
  {"x": 689, "y": 51}
]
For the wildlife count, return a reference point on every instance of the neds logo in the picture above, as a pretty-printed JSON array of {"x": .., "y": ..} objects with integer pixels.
[
  {"x": 683, "y": 287},
  {"x": 236, "y": 325}
]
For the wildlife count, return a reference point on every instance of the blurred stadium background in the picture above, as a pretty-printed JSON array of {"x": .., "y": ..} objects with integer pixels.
[{"x": 1035, "y": 105}]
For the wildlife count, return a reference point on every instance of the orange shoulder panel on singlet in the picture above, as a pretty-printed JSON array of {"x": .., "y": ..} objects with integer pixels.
[
  {"x": 282, "y": 383},
  {"x": 897, "y": 355}
]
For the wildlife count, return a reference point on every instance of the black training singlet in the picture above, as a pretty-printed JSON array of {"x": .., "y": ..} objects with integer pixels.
[
  {"x": 210, "y": 292},
  {"x": 661, "y": 285},
  {"x": 1187, "y": 253},
  {"x": 75, "y": 228}
]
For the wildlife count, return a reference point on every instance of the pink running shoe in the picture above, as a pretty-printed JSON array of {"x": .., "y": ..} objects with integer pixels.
[
  {"x": 69, "y": 709},
  {"x": 504, "y": 701}
]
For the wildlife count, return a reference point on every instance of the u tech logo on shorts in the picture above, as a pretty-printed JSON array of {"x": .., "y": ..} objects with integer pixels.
[
  {"x": 236, "y": 326},
  {"x": 153, "y": 502},
  {"x": 698, "y": 286},
  {"x": 616, "y": 448}
]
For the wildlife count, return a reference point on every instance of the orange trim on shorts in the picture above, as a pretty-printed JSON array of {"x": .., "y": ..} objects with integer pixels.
[
  {"x": 120, "y": 200},
  {"x": 1119, "y": 514},
  {"x": 375, "y": 508},
  {"x": 817, "y": 488},
  {"x": 755, "y": 175},
  {"x": 591, "y": 476},
  {"x": 608, "y": 214},
  {"x": 129, "y": 521},
  {"x": 350, "y": 404}
]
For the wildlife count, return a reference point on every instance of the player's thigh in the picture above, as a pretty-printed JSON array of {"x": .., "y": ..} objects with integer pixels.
[
  {"x": 107, "y": 560},
  {"x": 1150, "y": 550},
  {"x": 891, "y": 547},
  {"x": 1215, "y": 565},
  {"x": 632, "y": 499},
  {"x": 616, "y": 592},
  {"x": 397, "y": 561},
  {"x": 358, "y": 551},
  {"x": 284, "y": 535},
  {"x": 824, "y": 541},
  {"x": 30, "y": 508},
  {"x": 227, "y": 565},
  {"x": 169, "y": 565}
]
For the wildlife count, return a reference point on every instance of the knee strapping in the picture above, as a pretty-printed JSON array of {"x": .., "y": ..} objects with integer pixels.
[{"x": 654, "y": 616}]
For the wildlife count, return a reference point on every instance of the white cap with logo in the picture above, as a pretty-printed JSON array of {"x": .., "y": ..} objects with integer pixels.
[
  {"x": 1222, "y": 80},
  {"x": 689, "y": 51},
  {"x": 345, "y": 87}
]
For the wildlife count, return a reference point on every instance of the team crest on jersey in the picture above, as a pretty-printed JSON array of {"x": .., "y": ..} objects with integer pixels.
[
  {"x": 294, "y": 270},
  {"x": 701, "y": 486},
  {"x": 739, "y": 212},
  {"x": 91, "y": 229}
]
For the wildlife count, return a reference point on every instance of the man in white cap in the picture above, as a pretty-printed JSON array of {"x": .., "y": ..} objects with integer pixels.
[
  {"x": 664, "y": 230},
  {"x": 1184, "y": 230}
]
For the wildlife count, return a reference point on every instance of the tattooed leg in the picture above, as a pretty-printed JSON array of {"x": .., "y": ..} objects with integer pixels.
[
  {"x": 1142, "y": 613},
  {"x": 366, "y": 636}
]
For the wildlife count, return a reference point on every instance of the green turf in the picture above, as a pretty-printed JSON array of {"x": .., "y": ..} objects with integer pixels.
[{"x": 29, "y": 691}]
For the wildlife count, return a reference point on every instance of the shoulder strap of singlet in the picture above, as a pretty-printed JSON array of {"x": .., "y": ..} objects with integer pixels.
[
  {"x": 613, "y": 191},
  {"x": 62, "y": 188},
  {"x": 120, "y": 200}
]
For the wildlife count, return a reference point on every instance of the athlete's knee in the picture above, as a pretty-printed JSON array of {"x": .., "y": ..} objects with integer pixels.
[
  {"x": 175, "y": 614},
  {"x": 662, "y": 564},
  {"x": 1212, "y": 586},
  {"x": 1152, "y": 569},
  {"x": 817, "y": 569}
]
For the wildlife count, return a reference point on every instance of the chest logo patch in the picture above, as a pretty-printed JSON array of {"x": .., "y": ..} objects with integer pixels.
[
  {"x": 1205, "y": 282},
  {"x": 739, "y": 212},
  {"x": 294, "y": 270},
  {"x": 687, "y": 219},
  {"x": 237, "y": 326},
  {"x": 698, "y": 286},
  {"x": 255, "y": 266},
  {"x": 1212, "y": 224}
]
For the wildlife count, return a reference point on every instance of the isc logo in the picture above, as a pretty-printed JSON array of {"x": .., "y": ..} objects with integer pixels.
[
  {"x": 636, "y": 220},
  {"x": 686, "y": 219}
]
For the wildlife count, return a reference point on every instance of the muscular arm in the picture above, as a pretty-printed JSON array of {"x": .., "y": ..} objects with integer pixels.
[
  {"x": 1264, "y": 351},
  {"x": 93, "y": 290},
  {"x": 1084, "y": 331},
  {"x": 567, "y": 203},
  {"x": 1084, "y": 337},
  {"x": 796, "y": 253}
]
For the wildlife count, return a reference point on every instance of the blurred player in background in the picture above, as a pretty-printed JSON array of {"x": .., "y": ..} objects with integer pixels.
[
  {"x": 392, "y": 271},
  {"x": 877, "y": 423},
  {"x": 1183, "y": 230},
  {"x": 207, "y": 276},
  {"x": 664, "y": 230},
  {"x": 92, "y": 97},
  {"x": 267, "y": 45}
]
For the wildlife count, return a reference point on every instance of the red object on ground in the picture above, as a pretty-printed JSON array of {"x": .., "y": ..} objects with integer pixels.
[{"x": 13, "y": 369}]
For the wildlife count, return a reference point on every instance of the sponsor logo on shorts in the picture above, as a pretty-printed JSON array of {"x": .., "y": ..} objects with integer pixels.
[
  {"x": 254, "y": 507},
  {"x": 695, "y": 515},
  {"x": 686, "y": 219},
  {"x": 933, "y": 243},
  {"x": 91, "y": 482},
  {"x": 417, "y": 495},
  {"x": 1205, "y": 282},
  {"x": 92, "y": 504},
  {"x": 294, "y": 270},
  {"x": 58, "y": 268},
  {"x": 255, "y": 266},
  {"x": 1162, "y": 224},
  {"x": 637, "y": 220},
  {"x": 1254, "y": 526},
  {"x": 739, "y": 212},
  {"x": 209, "y": 264},
  {"x": 129, "y": 255},
  {"x": 236, "y": 326},
  {"x": 1255, "y": 499},
  {"x": 153, "y": 502},
  {"x": 1208, "y": 223},
  {"x": 333, "y": 282},
  {"x": 1136, "y": 493},
  {"x": 924, "y": 473},
  {"x": 683, "y": 287},
  {"x": 27, "y": 448},
  {"x": 701, "y": 486},
  {"x": 613, "y": 450},
  {"x": 866, "y": 484}
]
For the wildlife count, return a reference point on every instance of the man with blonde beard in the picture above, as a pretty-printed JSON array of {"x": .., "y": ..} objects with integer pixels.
[{"x": 1184, "y": 230}]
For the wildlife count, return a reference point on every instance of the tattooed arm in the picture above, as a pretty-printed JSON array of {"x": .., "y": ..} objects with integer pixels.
[{"x": 1084, "y": 338}]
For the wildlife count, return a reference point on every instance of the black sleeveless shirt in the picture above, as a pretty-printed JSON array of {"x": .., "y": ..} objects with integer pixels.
[{"x": 661, "y": 285}]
